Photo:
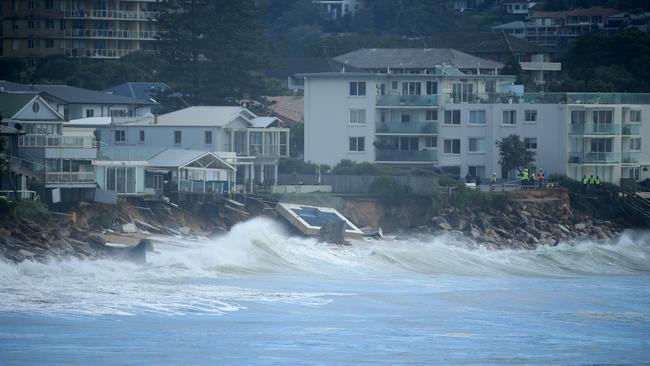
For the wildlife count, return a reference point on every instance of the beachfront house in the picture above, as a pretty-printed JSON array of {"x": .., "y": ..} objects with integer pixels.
[{"x": 256, "y": 141}]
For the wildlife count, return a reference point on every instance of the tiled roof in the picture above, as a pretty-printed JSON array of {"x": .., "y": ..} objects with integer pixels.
[
  {"x": 72, "y": 94},
  {"x": 416, "y": 58},
  {"x": 143, "y": 91},
  {"x": 12, "y": 103}
]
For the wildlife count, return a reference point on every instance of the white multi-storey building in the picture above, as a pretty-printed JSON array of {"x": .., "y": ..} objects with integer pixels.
[{"x": 450, "y": 121}]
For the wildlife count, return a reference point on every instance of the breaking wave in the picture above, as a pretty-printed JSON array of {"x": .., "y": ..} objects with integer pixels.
[{"x": 191, "y": 276}]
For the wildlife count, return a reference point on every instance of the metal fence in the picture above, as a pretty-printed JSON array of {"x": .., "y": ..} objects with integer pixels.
[{"x": 359, "y": 183}]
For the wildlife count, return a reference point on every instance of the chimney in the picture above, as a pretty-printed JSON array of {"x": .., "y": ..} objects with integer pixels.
[{"x": 155, "y": 119}]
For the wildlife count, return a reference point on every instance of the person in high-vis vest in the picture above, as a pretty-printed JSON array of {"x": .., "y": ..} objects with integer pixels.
[
  {"x": 585, "y": 182},
  {"x": 524, "y": 177},
  {"x": 598, "y": 182},
  {"x": 493, "y": 181}
]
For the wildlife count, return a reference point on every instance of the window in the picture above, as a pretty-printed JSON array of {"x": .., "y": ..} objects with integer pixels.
[
  {"x": 601, "y": 145},
  {"x": 120, "y": 136},
  {"x": 635, "y": 116},
  {"x": 119, "y": 113},
  {"x": 476, "y": 170},
  {"x": 635, "y": 144},
  {"x": 90, "y": 113},
  {"x": 477, "y": 117},
  {"x": 357, "y": 144},
  {"x": 207, "y": 137},
  {"x": 30, "y": 24},
  {"x": 452, "y": 146},
  {"x": 49, "y": 43},
  {"x": 49, "y": 23},
  {"x": 476, "y": 145},
  {"x": 431, "y": 115},
  {"x": 382, "y": 116},
  {"x": 141, "y": 136},
  {"x": 62, "y": 22},
  {"x": 530, "y": 116},
  {"x": 15, "y": 44},
  {"x": 405, "y": 117},
  {"x": 177, "y": 137},
  {"x": 509, "y": 118},
  {"x": 31, "y": 5},
  {"x": 49, "y": 4},
  {"x": 452, "y": 117},
  {"x": 530, "y": 143},
  {"x": 357, "y": 88},
  {"x": 578, "y": 117},
  {"x": 430, "y": 142},
  {"x": 462, "y": 92},
  {"x": 411, "y": 88},
  {"x": 357, "y": 117},
  {"x": 602, "y": 117},
  {"x": 394, "y": 85},
  {"x": 432, "y": 87},
  {"x": 30, "y": 43},
  {"x": 14, "y": 24}
]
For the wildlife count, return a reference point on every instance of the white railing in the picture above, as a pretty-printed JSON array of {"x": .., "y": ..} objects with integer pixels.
[
  {"x": 24, "y": 195},
  {"x": 110, "y": 33},
  {"x": 541, "y": 66},
  {"x": 69, "y": 178},
  {"x": 111, "y": 14},
  {"x": 97, "y": 52},
  {"x": 84, "y": 142}
]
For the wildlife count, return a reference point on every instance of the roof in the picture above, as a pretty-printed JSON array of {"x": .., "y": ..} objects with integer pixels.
[
  {"x": 72, "y": 94},
  {"x": 290, "y": 107},
  {"x": 216, "y": 116},
  {"x": 416, "y": 58},
  {"x": 301, "y": 65},
  {"x": 175, "y": 158},
  {"x": 263, "y": 122},
  {"x": 12, "y": 103},
  {"x": 511, "y": 25},
  {"x": 486, "y": 42},
  {"x": 145, "y": 91},
  {"x": 127, "y": 153},
  {"x": 90, "y": 121},
  {"x": 595, "y": 10}
]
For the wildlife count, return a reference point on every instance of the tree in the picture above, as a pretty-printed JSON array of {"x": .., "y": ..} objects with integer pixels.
[
  {"x": 214, "y": 49},
  {"x": 512, "y": 67},
  {"x": 513, "y": 153}
]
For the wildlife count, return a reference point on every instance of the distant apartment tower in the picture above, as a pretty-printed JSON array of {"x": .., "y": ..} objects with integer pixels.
[
  {"x": 339, "y": 8},
  {"x": 76, "y": 28}
]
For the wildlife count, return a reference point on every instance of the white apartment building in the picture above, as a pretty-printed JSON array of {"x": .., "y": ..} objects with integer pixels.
[
  {"x": 450, "y": 121},
  {"x": 340, "y": 8}
]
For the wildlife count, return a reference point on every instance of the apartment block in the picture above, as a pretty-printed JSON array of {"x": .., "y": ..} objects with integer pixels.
[
  {"x": 340, "y": 8},
  {"x": 77, "y": 28},
  {"x": 450, "y": 121}
]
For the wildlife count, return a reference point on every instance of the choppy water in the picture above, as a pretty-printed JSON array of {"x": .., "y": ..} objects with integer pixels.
[{"x": 257, "y": 296}]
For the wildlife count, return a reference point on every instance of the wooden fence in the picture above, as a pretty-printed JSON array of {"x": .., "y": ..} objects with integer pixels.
[{"x": 359, "y": 183}]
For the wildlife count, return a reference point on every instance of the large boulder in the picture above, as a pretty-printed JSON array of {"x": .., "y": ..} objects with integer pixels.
[{"x": 333, "y": 233}]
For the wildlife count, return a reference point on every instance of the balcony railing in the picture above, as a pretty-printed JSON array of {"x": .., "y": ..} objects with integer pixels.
[
  {"x": 97, "y": 52},
  {"x": 422, "y": 156},
  {"x": 595, "y": 129},
  {"x": 541, "y": 66},
  {"x": 550, "y": 98},
  {"x": 630, "y": 157},
  {"x": 84, "y": 142},
  {"x": 632, "y": 130},
  {"x": 110, "y": 33},
  {"x": 199, "y": 186},
  {"x": 69, "y": 178},
  {"x": 407, "y": 101},
  {"x": 111, "y": 14},
  {"x": 419, "y": 128},
  {"x": 594, "y": 157}
]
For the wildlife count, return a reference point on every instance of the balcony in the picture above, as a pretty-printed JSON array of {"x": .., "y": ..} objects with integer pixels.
[
  {"x": 82, "y": 142},
  {"x": 110, "y": 14},
  {"x": 111, "y": 34},
  {"x": 97, "y": 52},
  {"x": 541, "y": 66},
  {"x": 630, "y": 157},
  {"x": 407, "y": 101},
  {"x": 70, "y": 179},
  {"x": 409, "y": 128},
  {"x": 550, "y": 98},
  {"x": 595, "y": 129},
  {"x": 594, "y": 158},
  {"x": 631, "y": 130},
  {"x": 398, "y": 156}
]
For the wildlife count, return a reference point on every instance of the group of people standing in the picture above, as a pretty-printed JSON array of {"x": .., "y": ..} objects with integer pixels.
[
  {"x": 591, "y": 182},
  {"x": 530, "y": 179}
]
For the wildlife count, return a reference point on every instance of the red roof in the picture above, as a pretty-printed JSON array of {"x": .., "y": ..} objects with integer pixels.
[{"x": 596, "y": 10}]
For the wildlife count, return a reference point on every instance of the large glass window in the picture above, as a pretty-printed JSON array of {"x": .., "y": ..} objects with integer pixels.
[
  {"x": 452, "y": 146},
  {"x": 357, "y": 88},
  {"x": 357, "y": 117},
  {"x": 476, "y": 145},
  {"x": 120, "y": 136},
  {"x": 477, "y": 117},
  {"x": 411, "y": 88},
  {"x": 531, "y": 143},
  {"x": 452, "y": 117},
  {"x": 432, "y": 87},
  {"x": 177, "y": 137},
  {"x": 635, "y": 116},
  {"x": 509, "y": 117},
  {"x": 357, "y": 144},
  {"x": 462, "y": 92}
]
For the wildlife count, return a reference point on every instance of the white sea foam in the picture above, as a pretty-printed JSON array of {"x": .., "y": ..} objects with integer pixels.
[{"x": 185, "y": 276}]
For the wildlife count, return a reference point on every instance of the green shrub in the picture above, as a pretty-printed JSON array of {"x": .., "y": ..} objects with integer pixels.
[
  {"x": 572, "y": 185},
  {"x": 389, "y": 190},
  {"x": 463, "y": 197},
  {"x": 31, "y": 210},
  {"x": 298, "y": 166}
]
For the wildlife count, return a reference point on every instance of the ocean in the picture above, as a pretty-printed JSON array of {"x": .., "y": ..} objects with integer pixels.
[{"x": 258, "y": 296}]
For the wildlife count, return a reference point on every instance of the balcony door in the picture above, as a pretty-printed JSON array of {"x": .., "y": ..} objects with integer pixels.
[
  {"x": 462, "y": 92},
  {"x": 411, "y": 88}
]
